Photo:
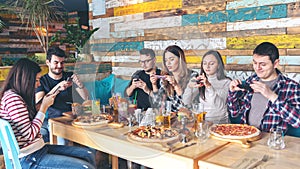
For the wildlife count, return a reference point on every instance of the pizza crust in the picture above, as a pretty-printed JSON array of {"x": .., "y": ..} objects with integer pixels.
[
  {"x": 92, "y": 120},
  {"x": 153, "y": 134},
  {"x": 234, "y": 131}
]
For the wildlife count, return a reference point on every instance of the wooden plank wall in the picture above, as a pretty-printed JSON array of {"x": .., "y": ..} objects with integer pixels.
[{"x": 233, "y": 27}]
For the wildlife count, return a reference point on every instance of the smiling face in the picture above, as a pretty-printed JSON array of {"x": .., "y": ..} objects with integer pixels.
[
  {"x": 56, "y": 64},
  {"x": 171, "y": 62},
  {"x": 264, "y": 68},
  {"x": 210, "y": 65}
]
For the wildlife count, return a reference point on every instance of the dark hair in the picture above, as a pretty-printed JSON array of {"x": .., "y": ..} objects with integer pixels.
[
  {"x": 184, "y": 72},
  {"x": 54, "y": 50},
  {"x": 148, "y": 52},
  {"x": 220, "y": 71},
  {"x": 267, "y": 49},
  {"x": 21, "y": 79}
]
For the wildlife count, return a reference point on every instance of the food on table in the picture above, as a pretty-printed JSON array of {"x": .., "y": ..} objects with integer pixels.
[
  {"x": 153, "y": 134},
  {"x": 93, "y": 119},
  {"x": 234, "y": 131}
]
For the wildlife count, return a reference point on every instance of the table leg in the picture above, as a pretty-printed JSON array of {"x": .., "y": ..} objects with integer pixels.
[
  {"x": 52, "y": 137},
  {"x": 115, "y": 162}
]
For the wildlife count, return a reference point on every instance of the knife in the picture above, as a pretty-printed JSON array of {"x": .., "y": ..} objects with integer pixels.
[{"x": 182, "y": 147}]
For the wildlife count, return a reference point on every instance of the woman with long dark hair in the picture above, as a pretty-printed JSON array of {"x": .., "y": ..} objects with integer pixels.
[
  {"x": 18, "y": 108},
  {"x": 212, "y": 87}
]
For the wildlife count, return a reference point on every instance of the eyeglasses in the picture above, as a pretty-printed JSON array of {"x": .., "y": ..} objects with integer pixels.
[{"x": 145, "y": 61}]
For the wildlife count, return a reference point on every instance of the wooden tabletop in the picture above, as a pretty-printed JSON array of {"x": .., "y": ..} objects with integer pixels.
[{"x": 155, "y": 155}]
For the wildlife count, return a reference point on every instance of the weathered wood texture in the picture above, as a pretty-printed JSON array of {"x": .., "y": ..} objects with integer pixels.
[{"x": 233, "y": 27}]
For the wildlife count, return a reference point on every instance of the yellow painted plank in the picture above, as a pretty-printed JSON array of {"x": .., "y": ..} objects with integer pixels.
[
  {"x": 190, "y": 59},
  {"x": 157, "y": 5},
  {"x": 281, "y": 41}
]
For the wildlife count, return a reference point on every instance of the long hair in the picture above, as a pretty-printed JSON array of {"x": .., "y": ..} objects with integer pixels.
[
  {"x": 21, "y": 79},
  {"x": 220, "y": 71},
  {"x": 184, "y": 73}
]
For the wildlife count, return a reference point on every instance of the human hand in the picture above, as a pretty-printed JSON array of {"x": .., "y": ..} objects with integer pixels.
[
  {"x": 171, "y": 80},
  {"x": 233, "y": 86},
  {"x": 264, "y": 89},
  {"x": 75, "y": 79},
  {"x": 153, "y": 79},
  {"x": 48, "y": 100}
]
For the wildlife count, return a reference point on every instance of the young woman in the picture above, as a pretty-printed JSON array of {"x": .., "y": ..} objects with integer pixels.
[
  {"x": 213, "y": 87},
  {"x": 176, "y": 76},
  {"x": 18, "y": 108}
]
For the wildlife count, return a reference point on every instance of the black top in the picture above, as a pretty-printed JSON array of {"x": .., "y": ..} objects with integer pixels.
[
  {"x": 59, "y": 106},
  {"x": 143, "y": 99}
]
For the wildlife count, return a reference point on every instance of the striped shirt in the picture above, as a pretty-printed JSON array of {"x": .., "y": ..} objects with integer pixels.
[
  {"x": 14, "y": 110},
  {"x": 285, "y": 109}
]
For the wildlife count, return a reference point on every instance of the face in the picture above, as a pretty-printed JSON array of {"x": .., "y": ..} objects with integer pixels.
[
  {"x": 147, "y": 63},
  {"x": 210, "y": 65},
  {"x": 264, "y": 68},
  {"x": 37, "y": 80},
  {"x": 56, "y": 65},
  {"x": 171, "y": 61}
]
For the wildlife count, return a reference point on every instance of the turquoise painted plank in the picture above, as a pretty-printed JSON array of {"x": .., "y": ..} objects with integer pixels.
[
  {"x": 242, "y": 14},
  {"x": 191, "y": 19},
  {"x": 120, "y": 46},
  {"x": 213, "y": 17},
  {"x": 255, "y": 3}
]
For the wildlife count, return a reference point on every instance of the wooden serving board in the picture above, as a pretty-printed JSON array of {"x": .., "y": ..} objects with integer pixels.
[
  {"x": 89, "y": 126},
  {"x": 246, "y": 143}
]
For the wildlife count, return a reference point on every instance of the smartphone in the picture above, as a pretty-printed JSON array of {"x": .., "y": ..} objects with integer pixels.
[
  {"x": 245, "y": 86},
  {"x": 160, "y": 76},
  {"x": 69, "y": 79},
  {"x": 56, "y": 89}
]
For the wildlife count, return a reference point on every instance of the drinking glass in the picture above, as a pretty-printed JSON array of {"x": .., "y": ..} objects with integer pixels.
[
  {"x": 199, "y": 113},
  {"x": 202, "y": 132},
  {"x": 276, "y": 138},
  {"x": 167, "y": 115}
]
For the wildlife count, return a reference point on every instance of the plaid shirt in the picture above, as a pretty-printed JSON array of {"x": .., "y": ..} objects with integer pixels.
[
  {"x": 159, "y": 97},
  {"x": 285, "y": 109}
]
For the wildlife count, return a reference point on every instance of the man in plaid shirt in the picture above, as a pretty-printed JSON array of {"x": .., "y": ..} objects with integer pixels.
[{"x": 267, "y": 99}]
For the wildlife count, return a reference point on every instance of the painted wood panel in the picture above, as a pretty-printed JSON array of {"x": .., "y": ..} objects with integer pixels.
[
  {"x": 149, "y": 23},
  {"x": 281, "y": 41},
  {"x": 120, "y": 46},
  {"x": 274, "y": 23},
  {"x": 253, "y": 3},
  {"x": 243, "y": 14},
  {"x": 284, "y": 60},
  {"x": 118, "y": 3},
  {"x": 294, "y": 9},
  {"x": 148, "y": 7},
  {"x": 198, "y": 44},
  {"x": 205, "y": 7}
]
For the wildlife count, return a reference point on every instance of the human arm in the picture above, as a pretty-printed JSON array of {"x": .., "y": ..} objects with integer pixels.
[{"x": 79, "y": 87}]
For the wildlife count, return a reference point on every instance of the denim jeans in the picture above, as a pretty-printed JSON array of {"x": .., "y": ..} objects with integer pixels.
[{"x": 59, "y": 156}]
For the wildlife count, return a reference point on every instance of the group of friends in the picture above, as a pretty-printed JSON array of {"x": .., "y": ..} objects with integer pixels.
[{"x": 266, "y": 99}]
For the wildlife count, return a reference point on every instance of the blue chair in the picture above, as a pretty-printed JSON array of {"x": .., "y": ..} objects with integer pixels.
[{"x": 9, "y": 145}]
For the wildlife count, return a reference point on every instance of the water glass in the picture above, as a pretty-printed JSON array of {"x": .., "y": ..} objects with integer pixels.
[
  {"x": 202, "y": 132},
  {"x": 276, "y": 138}
]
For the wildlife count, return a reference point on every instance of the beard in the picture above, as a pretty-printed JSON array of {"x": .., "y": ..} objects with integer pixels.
[{"x": 56, "y": 71}]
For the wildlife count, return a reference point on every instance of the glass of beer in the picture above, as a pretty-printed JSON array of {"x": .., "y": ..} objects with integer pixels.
[
  {"x": 167, "y": 115},
  {"x": 199, "y": 113}
]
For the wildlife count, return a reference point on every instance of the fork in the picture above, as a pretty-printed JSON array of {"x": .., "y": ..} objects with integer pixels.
[{"x": 265, "y": 158}]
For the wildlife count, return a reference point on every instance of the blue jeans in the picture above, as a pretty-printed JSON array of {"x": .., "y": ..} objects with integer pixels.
[{"x": 59, "y": 157}]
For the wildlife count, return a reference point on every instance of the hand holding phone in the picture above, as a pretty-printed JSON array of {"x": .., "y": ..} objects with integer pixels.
[
  {"x": 69, "y": 79},
  {"x": 245, "y": 86}
]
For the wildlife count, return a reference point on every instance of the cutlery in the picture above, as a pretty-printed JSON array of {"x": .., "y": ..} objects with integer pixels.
[
  {"x": 265, "y": 158},
  {"x": 182, "y": 147}
]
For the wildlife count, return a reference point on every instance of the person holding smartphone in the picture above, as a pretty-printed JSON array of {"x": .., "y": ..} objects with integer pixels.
[
  {"x": 64, "y": 82},
  {"x": 210, "y": 88},
  {"x": 140, "y": 86},
  {"x": 274, "y": 99}
]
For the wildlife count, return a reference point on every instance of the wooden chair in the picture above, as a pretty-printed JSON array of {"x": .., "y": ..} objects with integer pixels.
[{"x": 9, "y": 145}]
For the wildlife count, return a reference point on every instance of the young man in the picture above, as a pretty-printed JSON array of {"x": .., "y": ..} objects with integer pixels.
[
  {"x": 271, "y": 99},
  {"x": 57, "y": 79},
  {"x": 140, "y": 86}
]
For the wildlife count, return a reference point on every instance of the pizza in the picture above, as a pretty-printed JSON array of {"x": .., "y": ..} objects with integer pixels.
[
  {"x": 234, "y": 131},
  {"x": 152, "y": 134},
  {"x": 92, "y": 120}
]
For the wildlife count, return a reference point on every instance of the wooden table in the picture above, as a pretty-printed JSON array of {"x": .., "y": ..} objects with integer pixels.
[
  {"x": 212, "y": 154},
  {"x": 232, "y": 156}
]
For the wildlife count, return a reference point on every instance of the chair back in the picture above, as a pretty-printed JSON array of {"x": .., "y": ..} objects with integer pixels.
[{"x": 9, "y": 145}]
